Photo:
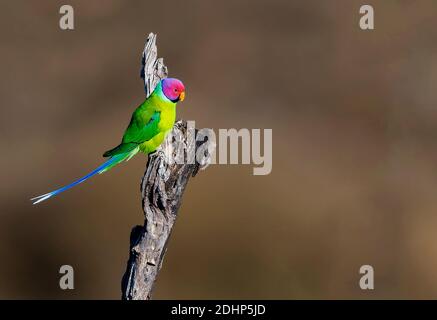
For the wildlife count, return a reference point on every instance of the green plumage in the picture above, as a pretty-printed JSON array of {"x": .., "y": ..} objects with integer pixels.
[{"x": 148, "y": 126}]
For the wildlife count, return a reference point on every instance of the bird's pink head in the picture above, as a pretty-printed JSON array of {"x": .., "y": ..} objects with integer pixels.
[{"x": 173, "y": 89}]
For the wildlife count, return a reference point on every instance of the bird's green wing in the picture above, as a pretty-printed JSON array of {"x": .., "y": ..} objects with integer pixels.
[{"x": 142, "y": 127}]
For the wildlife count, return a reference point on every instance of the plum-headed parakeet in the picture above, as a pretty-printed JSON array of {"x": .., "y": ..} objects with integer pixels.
[{"x": 149, "y": 124}]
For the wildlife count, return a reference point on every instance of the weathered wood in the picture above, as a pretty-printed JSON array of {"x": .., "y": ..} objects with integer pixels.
[
  {"x": 162, "y": 188},
  {"x": 153, "y": 69}
]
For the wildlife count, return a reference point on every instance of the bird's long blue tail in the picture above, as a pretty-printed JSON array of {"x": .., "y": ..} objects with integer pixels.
[{"x": 102, "y": 168}]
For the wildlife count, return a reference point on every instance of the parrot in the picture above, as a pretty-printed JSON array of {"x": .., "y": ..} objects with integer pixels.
[{"x": 149, "y": 125}]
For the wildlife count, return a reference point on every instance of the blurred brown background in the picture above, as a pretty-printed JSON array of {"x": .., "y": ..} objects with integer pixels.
[{"x": 354, "y": 121}]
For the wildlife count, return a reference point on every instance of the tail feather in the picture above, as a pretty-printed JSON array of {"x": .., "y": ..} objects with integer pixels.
[{"x": 113, "y": 161}]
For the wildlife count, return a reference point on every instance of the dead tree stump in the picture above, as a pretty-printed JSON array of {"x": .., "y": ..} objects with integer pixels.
[{"x": 162, "y": 186}]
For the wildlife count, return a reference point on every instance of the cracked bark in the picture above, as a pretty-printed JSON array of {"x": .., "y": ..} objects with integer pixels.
[{"x": 162, "y": 188}]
